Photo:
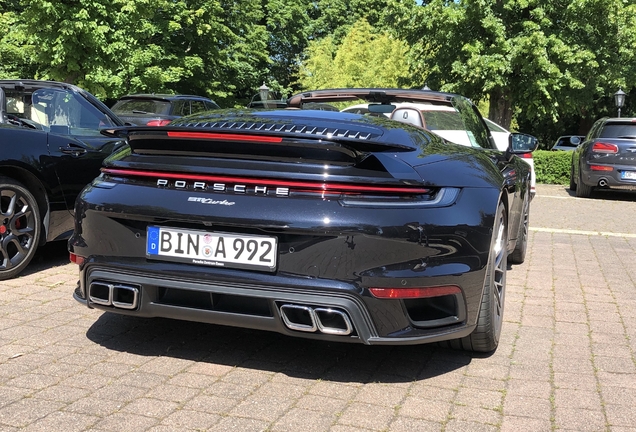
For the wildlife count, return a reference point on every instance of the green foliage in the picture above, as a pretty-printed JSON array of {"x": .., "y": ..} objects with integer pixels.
[
  {"x": 15, "y": 54},
  {"x": 539, "y": 60},
  {"x": 364, "y": 59},
  {"x": 552, "y": 167},
  {"x": 128, "y": 46}
]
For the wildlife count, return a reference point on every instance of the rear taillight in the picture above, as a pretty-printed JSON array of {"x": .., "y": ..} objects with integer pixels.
[
  {"x": 158, "y": 122},
  {"x": 242, "y": 184},
  {"x": 601, "y": 147},
  {"x": 411, "y": 293},
  {"x": 525, "y": 155},
  {"x": 79, "y": 260},
  {"x": 601, "y": 168}
]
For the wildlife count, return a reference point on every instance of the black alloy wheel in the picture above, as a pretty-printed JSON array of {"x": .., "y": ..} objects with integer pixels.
[
  {"x": 20, "y": 227},
  {"x": 583, "y": 190},
  {"x": 485, "y": 337}
]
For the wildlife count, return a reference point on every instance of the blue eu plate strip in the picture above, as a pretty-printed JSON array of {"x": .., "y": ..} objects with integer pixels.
[{"x": 152, "y": 248}]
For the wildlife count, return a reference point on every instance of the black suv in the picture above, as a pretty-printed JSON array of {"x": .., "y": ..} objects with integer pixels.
[
  {"x": 159, "y": 109},
  {"x": 51, "y": 147}
]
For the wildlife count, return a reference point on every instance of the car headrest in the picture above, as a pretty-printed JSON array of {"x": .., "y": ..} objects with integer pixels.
[{"x": 408, "y": 115}]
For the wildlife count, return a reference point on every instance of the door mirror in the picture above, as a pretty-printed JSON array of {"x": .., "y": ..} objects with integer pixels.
[{"x": 522, "y": 143}]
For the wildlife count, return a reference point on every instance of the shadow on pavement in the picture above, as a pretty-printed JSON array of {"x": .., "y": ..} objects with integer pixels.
[
  {"x": 273, "y": 352},
  {"x": 607, "y": 194},
  {"x": 50, "y": 255}
]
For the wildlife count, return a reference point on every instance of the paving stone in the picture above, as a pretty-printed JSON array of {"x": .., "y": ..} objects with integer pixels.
[{"x": 566, "y": 359}]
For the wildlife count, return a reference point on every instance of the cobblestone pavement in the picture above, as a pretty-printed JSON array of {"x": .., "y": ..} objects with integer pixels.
[{"x": 566, "y": 360}]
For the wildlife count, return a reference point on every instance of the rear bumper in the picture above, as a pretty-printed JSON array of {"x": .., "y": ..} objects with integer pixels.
[
  {"x": 608, "y": 179},
  {"x": 325, "y": 310}
]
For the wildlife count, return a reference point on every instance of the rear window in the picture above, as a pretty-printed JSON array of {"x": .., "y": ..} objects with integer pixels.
[
  {"x": 619, "y": 130},
  {"x": 141, "y": 106}
]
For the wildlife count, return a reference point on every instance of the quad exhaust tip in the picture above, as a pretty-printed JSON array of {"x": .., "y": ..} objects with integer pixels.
[
  {"x": 114, "y": 294},
  {"x": 321, "y": 319}
]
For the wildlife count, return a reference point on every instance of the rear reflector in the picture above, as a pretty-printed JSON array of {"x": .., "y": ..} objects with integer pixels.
[
  {"x": 158, "y": 122},
  {"x": 600, "y": 147},
  {"x": 79, "y": 260},
  {"x": 601, "y": 168},
  {"x": 410, "y": 293},
  {"x": 225, "y": 137}
]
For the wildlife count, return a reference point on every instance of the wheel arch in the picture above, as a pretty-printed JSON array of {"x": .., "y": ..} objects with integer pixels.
[
  {"x": 504, "y": 199},
  {"x": 35, "y": 186}
]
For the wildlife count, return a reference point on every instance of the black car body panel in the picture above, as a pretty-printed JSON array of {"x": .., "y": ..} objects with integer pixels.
[
  {"x": 52, "y": 146},
  {"x": 355, "y": 206}
]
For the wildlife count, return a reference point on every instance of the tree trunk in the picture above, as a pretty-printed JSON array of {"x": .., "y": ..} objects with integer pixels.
[{"x": 500, "y": 110}]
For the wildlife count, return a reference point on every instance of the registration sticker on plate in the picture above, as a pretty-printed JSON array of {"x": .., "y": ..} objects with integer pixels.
[
  {"x": 628, "y": 175},
  {"x": 212, "y": 248}
]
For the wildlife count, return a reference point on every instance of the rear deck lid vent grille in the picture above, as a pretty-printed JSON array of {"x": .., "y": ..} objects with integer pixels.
[{"x": 327, "y": 132}]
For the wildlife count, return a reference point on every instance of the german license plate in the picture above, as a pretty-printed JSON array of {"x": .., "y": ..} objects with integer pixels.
[
  {"x": 628, "y": 175},
  {"x": 212, "y": 248}
]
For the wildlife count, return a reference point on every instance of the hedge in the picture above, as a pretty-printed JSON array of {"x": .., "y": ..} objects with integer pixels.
[{"x": 552, "y": 167}]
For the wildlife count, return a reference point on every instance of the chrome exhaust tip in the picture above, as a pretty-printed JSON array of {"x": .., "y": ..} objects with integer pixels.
[
  {"x": 300, "y": 318},
  {"x": 117, "y": 295},
  {"x": 100, "y": 293},
  {"x": 125, "y": 297},
  {"x": 333, "y": 321},
  {"x": 602, "y": 182}
]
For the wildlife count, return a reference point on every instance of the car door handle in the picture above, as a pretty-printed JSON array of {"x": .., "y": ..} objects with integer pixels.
[{"x": 73, "y": 150}]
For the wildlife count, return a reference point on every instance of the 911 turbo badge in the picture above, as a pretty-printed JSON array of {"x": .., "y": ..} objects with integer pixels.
[{"x": 211, "y": 201}]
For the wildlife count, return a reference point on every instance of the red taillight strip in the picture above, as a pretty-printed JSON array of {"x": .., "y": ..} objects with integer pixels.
[
  {"x": 601, "y": 147},
  {"x": 158, "y": 122},
  {"x": 406, "y": 293},
  {"x": 601, "y": 168},
  {"x": 225, "y": 137},
  {"x": 331, "y": 187}
]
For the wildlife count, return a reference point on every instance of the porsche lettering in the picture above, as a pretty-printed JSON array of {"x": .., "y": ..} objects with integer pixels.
[{"x": 223, "y": 187}]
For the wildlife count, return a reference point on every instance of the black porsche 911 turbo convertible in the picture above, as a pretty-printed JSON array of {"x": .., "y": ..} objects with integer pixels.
[
  {"x": 320, "y": 224},
  {"x": 51, "y": 148}
]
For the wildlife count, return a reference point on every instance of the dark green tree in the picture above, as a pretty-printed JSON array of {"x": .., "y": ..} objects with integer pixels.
[{"x": 538, "y": 59}]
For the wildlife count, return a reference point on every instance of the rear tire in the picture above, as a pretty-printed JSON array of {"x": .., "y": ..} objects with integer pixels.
[
  {"x": 20, "y": 227},
  {"x": 583, "y": 190},
  {"x": 485, "y": 337},
  {"x": 518, "y": 255},
  {"x": 572, "y": 182}
]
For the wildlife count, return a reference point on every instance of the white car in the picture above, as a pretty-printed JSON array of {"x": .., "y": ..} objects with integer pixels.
[
  {"x": 444, "y": 121},
  {"x": 568, "y": 142}
]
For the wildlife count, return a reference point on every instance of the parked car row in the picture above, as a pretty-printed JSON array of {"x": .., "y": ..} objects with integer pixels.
[{"x": 159, "y": 109}]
